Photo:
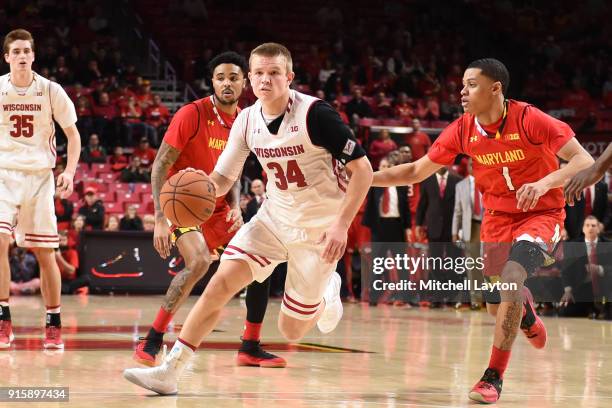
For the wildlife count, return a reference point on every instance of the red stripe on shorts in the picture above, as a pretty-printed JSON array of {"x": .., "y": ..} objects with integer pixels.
[
  {"x": 41, "y": 235},
  {"x": 253, "y": 257}
]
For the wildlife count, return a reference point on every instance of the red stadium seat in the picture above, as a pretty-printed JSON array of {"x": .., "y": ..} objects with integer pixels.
[
  {"x": 128, "y": 197},
  {"x": 107, "y": 197},
  {"x": 98, "y": 168},
  {"x": 142, "y": 188}
]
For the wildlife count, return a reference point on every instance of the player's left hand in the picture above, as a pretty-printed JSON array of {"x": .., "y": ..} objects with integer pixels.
[
  {"x": 574, "y": 186},
  {"x": 334, "y": 241},
  {"x": 65, "y": 184},
  {"x": 528, "y": 195},
  {"x": 235, "y": 216}
]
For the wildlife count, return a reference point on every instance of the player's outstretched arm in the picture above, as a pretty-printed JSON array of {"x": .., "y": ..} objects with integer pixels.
[
  {"x": 65, "y": 180},
  {"x": 577, "y": 159},
  {"x": 335, "y": 237},
  {"x": 588, "y": 176},
  {"x": 165, "y": 158},
  {"x": 405, "y": 174}
]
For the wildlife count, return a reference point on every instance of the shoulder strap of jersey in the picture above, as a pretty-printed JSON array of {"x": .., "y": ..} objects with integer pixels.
[
  {"x": 522, "y": 120},
  {"x": 196, "y": 105}
]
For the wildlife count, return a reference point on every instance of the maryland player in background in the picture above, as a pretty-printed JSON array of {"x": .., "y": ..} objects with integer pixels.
[
  {"x": 29, "y": 104},
  {"x": 514, "y": 147},
  {"x": 195, "y": 139}
]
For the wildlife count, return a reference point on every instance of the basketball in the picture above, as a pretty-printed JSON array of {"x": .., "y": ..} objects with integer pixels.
[{"x": 188, "y": 199}]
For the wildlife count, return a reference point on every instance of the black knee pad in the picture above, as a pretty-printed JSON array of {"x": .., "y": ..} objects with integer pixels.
[{"x": 528, "y": 254}]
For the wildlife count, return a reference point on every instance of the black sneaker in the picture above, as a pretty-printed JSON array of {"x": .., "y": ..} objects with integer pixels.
[{"x": 251, "y": 354}]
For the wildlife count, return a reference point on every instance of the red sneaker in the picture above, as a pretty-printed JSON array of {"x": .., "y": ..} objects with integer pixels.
[
  {"x": 531, "y": 324},
  {"x": 6, "y": 334},
  {"x": 53, "y": 338},
  {"x": 488, "y": 389},
  {"x": 148, "y": 348},
  {"x": 251, "y": 354}
]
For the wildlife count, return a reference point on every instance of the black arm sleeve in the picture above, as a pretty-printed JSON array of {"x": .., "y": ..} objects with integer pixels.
[{"x": 327, "y": 130}]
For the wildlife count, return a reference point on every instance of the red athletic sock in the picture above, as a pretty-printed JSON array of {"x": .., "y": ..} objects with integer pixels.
[
  {"x": 499, "y": 360},
  {"x": 191, "y": 346},
  {"x": 162, "y": 320},
  {"x": 252, "y": 331}
]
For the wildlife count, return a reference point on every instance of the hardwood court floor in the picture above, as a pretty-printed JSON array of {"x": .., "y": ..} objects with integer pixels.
[{"x": 377, "y": 357}]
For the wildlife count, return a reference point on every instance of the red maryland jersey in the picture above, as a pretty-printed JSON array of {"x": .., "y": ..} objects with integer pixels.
[
  {"x": 524, "y": 151},
  {"x": 200, "y": 132}
]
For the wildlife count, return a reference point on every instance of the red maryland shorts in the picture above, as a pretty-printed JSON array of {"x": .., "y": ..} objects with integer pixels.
[
  {"x": 214, "y": 229},
  {"x": 500, "y": 230}
]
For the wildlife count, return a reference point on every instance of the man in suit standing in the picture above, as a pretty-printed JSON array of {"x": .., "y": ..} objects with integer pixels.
[
  {"x": 436, "y": 207},
  {"x": 586, "y": 272},
  {"x": 387, "y": 215},
  {"x": 259, "y": 195},
  {"x": 467, "y": 218}
]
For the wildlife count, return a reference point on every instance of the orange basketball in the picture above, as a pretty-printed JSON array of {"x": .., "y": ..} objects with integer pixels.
[{"x": 188, "y": 199}]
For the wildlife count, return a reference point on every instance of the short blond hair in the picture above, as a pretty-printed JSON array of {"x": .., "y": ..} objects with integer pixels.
[
  {"x": 272, "y": 49},
  {"x": 19, "y": 34}
]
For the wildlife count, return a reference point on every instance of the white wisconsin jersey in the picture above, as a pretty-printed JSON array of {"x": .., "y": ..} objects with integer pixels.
[
  {"x": 27, "y": 131},
  {"x": 306, "y": 184}
]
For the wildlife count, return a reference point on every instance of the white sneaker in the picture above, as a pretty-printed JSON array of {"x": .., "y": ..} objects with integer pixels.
[
  {"x": 333, "y": 305},
  {"x": 163, "y": 379}
]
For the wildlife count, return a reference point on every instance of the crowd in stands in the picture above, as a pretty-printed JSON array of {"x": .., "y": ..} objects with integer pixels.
[{"x": 395, "y": 65}]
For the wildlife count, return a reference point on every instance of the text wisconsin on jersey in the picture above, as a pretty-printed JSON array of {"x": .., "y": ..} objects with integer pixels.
[
  {"x": 279, "y": 151},
  {"x": 24, "y": 107}
]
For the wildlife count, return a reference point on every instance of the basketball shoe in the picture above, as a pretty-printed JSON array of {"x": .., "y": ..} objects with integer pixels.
[
  {"x": 162, "y": 379},
  {"x": 148, "y": 347},
  {"x": 251, "y": 354},
  {"x": 531, "y": 324},
  {"x": 6, "y": 334},
  {"x": 331, "y": 315},
  {"x": 488, "y": 389},
  {"x": 53, "y": 338}
]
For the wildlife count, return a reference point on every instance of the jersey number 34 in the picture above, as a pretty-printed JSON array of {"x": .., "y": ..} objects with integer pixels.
[{"x": 292, "y": 175}]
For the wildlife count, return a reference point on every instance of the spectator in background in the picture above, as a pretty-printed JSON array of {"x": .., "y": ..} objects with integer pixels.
[
  {"x": 418, "y": 141},
  {"x": 586, "y": 273},
  {"x": 92, "y": 209},
  {"x": 132, "y": 115},
  {"x": 63, "y": 211},
  {"x": 382, "y": 106},
  {"x": 435, "y": 210},
  {"x": 118, "y": 160},
  {"x": 357, "y": 107},
  {"x": 85, "y": 122},
  {"x": 144, "y": 97},
  {"x": 135, "y": 173},
  {"x": 403, "y": 110},
  {"x": 25, "y": 273},
  {"x": 428, "y": 109},
  {"x": 67, "y": 258},
  {"x": 130, "y": 221},
  {"x": 259, "y": 195},
  {"x": 450, "y": 109},
  {"x": 380, "y": 147},
  {"x": 93, "y": 152},
  {"x": 146, "y": 153},
  {"x": 157, "y": 115},
  {"x": 387, "y": 214},
  {"x": 106, "y": 117},
  {"x": 112, "y": 224},
  {"x": 340, "y": 109},
  {"x": 148, "y": 222},
  {"x": 90, "y": 74},
  {"x": 74, "y": 233}
]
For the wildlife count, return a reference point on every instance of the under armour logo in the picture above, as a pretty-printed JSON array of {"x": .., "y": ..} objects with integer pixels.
[
  {"x": 211, "y": 123},
  {"x": 38, "y": 93},
  {"x": 473, "y": 138}
]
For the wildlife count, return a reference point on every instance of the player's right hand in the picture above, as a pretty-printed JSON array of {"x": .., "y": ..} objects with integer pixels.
[
  {"x": 567, "y": 298},
  {"x": 161, "y": 237}
]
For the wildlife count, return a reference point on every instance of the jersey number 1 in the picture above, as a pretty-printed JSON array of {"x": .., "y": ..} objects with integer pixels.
[
  {"x": 293, "y": 174},
  {"x": 23, "y": 125}
]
